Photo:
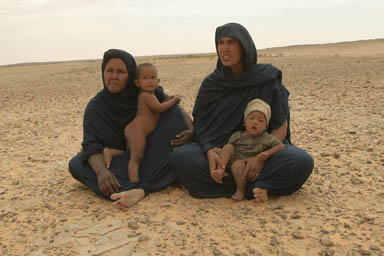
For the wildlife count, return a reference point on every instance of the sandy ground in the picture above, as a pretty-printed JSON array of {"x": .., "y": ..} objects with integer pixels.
[{"x": 337, "y": 102}]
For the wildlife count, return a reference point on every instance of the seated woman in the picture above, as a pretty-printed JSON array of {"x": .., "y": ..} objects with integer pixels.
[
  {"x": 105, "y": 117},
  {"x": 218, "y": 112}
]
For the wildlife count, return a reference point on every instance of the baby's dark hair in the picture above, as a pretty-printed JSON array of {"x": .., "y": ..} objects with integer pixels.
[{"x": 142, "y": 66}]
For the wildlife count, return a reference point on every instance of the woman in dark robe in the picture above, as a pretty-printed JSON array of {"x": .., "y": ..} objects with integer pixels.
[
  {"x": 219, "y": 111},
  {"x": 103, "y": 127}
]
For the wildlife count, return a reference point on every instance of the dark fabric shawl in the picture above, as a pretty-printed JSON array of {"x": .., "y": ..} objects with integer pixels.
[
  {"x": 107, "y": 114},
  {"x": 222, "y": 98}
]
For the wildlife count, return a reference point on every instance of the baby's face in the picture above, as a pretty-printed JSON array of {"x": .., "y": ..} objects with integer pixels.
[
  {"x": 256, "y": 123},
  {"x": 147, "y": 80}
]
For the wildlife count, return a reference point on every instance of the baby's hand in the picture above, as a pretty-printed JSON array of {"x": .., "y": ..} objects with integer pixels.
[
  {"x": 217, "y": 175},
  {"x": 176, "y": 98},
  {"x": 263, "y": 156}
]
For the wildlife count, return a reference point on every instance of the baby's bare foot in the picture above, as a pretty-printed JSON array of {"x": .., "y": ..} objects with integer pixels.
[
  {"x": 127, "y": 198},
  {"x": 260, "y": 195},
  {"x": 238, "y": 196}
]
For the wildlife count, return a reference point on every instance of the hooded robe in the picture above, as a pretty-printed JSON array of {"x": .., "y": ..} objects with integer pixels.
[{"x": 222, "y": 98}]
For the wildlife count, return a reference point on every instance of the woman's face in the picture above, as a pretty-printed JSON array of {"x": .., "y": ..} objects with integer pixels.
[
  {"x": 115, "y": 75},
  {"x": 231, "y": 54}
]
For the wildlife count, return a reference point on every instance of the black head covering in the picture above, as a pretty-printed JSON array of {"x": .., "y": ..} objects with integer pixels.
[
  {"x": 237, "y": 31},
  {"x": 122, "y": 106},
  {"x": 107, "y": 113},
  {"x": 222, "y": 98}
]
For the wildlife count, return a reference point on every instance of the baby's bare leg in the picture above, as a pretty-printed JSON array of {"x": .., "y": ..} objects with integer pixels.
[
  {"x": 109, "y": 154},
  {"x": 237, "y": 169},
  {"x": 136, "y": 141}
]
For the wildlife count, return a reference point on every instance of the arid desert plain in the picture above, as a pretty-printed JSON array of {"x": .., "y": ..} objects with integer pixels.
[{"x": 337, "y": 115}]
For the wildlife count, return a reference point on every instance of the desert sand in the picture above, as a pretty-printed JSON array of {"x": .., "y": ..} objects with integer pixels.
[{"x": 337, "y": 102}]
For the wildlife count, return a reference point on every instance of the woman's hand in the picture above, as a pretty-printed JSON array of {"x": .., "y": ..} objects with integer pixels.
[
  {"x": 187, "y": 135},
  {"x": 214, "y": 160},
  {"x": 182, "y": 138},
  {"x": 253, "y": 168},
  {"x": 108, "y": 182},
  {"x": 218, "y": 174}
]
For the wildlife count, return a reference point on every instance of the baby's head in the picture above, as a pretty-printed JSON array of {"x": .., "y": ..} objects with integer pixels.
[
  {"x": 256, "y": 117},
  {"x": 146, "y": 77}
]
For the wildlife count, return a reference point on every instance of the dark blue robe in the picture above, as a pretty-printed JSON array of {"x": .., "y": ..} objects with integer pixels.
[
  {"x": 219, "y": 111},
  {"x": 103, "y": 126}
]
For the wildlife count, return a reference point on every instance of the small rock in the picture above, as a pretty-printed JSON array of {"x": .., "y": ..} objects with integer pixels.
[
  {"x": 369, "y": 218},
  {"x": 327, "y": 252},
  {"x": 326, "y": 241},
  {"x": 142, "y": 238},
  {"x": 278, "y": 207},
  {"x": 336, "y": 155},
  {"x": 130, "y": 235},
  {"x": 297, "y": 234},
  {"x": 133, "y": 225},
  {"x": 251, "y": 251},
  {"x": 352, "y": 132},
  {"x": 217, "y": 252},
  {"x": 274, "y": 241},
  {"x": 356, "y": 181},
  {"x": 374, "y": 247},
  {"x": 296, "y": 216},
  {"x": 363, "y": 251},
  {"x": 180, "y": 222},
  {"x": 324, "y": 231}
]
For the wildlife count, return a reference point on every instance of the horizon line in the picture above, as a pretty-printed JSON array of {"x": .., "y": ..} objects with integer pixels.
[{"x": 184, "y": 55}]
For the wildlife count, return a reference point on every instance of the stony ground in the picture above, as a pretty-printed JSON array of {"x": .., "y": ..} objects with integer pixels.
[{"x": 337, "y": 115}]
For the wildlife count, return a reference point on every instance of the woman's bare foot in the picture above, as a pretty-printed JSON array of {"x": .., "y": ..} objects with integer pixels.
[
  {"x": 238, "y": 196},
  {"x": 260, "y": 195},
  {"x": 127, "y": 198}
]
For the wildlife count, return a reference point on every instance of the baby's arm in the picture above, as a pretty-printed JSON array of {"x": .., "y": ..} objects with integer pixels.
[
  {"x": 263, "y": 156},
  {"x": 152, "y": 102}
]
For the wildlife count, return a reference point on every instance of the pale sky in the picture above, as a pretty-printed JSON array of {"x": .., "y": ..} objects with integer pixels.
[{"x": 58, "y": 30}]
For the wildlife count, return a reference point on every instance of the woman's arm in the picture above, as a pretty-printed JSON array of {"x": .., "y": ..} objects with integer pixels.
[
  {"x": 185, "y": 136},
  {"x": 108, "y": 182},
  {"x": 281, "y": 132}
]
